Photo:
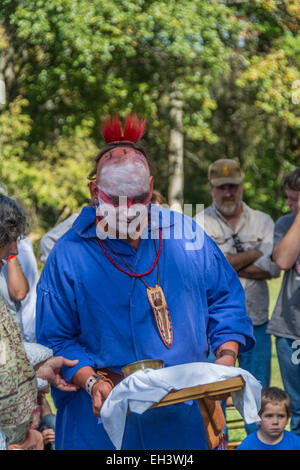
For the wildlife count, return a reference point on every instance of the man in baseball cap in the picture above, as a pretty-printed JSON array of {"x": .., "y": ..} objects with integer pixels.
[
  {"x": 224, "y": 171},
  {"x": 245, "y": 236},
  {"x": 225, "y": 178}
]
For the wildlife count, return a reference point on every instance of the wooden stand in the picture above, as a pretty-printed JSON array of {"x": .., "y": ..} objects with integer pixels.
[
  {"x": 212, "y": 414},
  {"x": 213, "y": 389}
]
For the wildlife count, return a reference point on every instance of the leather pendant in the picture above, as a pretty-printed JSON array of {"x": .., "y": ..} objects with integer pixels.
[{"x": 161, "y": 313}]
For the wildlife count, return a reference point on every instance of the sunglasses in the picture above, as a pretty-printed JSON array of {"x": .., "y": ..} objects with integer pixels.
[
  {"x": 237, "y": 243},
  {"x": 130, "y": 201}
]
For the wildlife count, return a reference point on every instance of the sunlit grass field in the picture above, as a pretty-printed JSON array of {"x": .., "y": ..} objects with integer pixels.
[{"x": 239, "y": 434}]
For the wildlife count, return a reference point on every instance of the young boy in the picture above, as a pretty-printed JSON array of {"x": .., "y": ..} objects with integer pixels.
[{"x": 275, "y": 414}]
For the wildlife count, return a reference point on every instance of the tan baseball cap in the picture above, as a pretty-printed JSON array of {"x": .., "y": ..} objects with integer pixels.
[{"x": 225, "y": 171}]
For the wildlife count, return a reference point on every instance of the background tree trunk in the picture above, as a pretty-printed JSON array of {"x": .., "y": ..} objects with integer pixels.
[{"x": 176, "y": 179}]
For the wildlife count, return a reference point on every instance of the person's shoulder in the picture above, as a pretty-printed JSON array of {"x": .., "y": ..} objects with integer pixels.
[
  {"x": 63, "y": 251},
  {"x": 249, "y": 442},
  {"x": 25, "y": 244},
  {"x": 285, "y": 220},
  {"x": 180, "y": 228},
  {"x": 258, "y": 214},
  {"x": 53, "y": 235},
  {"x": 67, "y": 239},
  {"x": 293, "y": 440},
  {"x": 209, "y": 212},
  {"x": 209, "y": 220},
  {"x": 282, "y": 225}
]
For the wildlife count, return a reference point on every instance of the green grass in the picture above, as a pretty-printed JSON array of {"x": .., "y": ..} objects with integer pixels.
[
  {"x": 51, "y": 403},
  {"x": 274, "y": 288}
]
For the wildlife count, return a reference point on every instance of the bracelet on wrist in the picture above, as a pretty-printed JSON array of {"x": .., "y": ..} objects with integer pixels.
[
  {"x": 104, "y": 376},
  {"x": 91, "y": 382},
  {"x": 226, "y": 352},
  {"x": 94, "y": 379}
]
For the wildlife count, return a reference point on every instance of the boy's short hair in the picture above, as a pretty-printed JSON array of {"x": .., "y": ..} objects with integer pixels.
[
  {"x": 292, "y": 180},
  {"x": 275, "y": 395}
]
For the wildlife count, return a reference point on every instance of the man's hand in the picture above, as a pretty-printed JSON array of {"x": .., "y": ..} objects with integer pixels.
[
  {"x": 100, "y": 392},
  {"x": 50, "y": 371},
  {"x": 253, "y": 272},
  {"x": 48, "y": 435},
  {"x": 226, "y": 361}
]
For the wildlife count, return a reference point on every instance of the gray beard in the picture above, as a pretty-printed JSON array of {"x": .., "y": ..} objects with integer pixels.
[{"x": 227, "y": 209}]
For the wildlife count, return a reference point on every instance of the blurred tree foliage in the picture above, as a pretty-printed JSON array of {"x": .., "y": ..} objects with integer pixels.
[{"x": 68, "y": 63}]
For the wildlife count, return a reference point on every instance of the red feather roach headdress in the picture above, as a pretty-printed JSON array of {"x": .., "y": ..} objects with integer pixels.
[
  {"x": 115, "y": 137},
  {"x": 133, "y": 130}
]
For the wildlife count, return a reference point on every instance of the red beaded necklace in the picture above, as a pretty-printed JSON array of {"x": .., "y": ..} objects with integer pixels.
[
  {"x": 134, "y": 274},
  {"x": 155, "y": 294}
]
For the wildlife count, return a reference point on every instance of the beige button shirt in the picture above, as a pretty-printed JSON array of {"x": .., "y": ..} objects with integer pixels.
[{"x": 255, "y": 230}]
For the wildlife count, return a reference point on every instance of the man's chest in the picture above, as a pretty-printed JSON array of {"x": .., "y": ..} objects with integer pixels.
[{"x": 244, "y": 236}]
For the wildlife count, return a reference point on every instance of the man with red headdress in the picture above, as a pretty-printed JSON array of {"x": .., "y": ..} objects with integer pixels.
[{"x": 125, "y": 284}]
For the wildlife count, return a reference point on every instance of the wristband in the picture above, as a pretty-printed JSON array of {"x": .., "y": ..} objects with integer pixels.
[
  {"x": 90, "y": 382},
  {"x": 227, "y": 352},
  {"x": 10, "y": 257},
  {"x": 104, "y": 376}
]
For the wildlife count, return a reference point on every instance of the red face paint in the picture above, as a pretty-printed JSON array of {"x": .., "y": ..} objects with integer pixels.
[{"x": 115, "y": 200}]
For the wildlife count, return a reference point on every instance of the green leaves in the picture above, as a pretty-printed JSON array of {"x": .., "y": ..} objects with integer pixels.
[{"x": 69, "y": 63}]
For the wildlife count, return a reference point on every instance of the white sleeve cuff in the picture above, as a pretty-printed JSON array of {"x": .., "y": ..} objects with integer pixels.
[{"x": 37, "y": 353}]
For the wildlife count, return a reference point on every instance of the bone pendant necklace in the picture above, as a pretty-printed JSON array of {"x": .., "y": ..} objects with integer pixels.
[{"x": 155, "y": 294}]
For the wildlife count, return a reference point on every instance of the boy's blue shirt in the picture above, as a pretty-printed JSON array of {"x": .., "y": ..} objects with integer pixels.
[{"x": 290, "y": 441}]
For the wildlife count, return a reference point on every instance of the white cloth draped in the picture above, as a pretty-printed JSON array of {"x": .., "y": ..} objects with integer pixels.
[{"x": 141, "y": 390}]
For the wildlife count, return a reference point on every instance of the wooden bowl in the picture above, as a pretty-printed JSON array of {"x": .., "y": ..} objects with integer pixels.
[{"x": 142, "y": 365}]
